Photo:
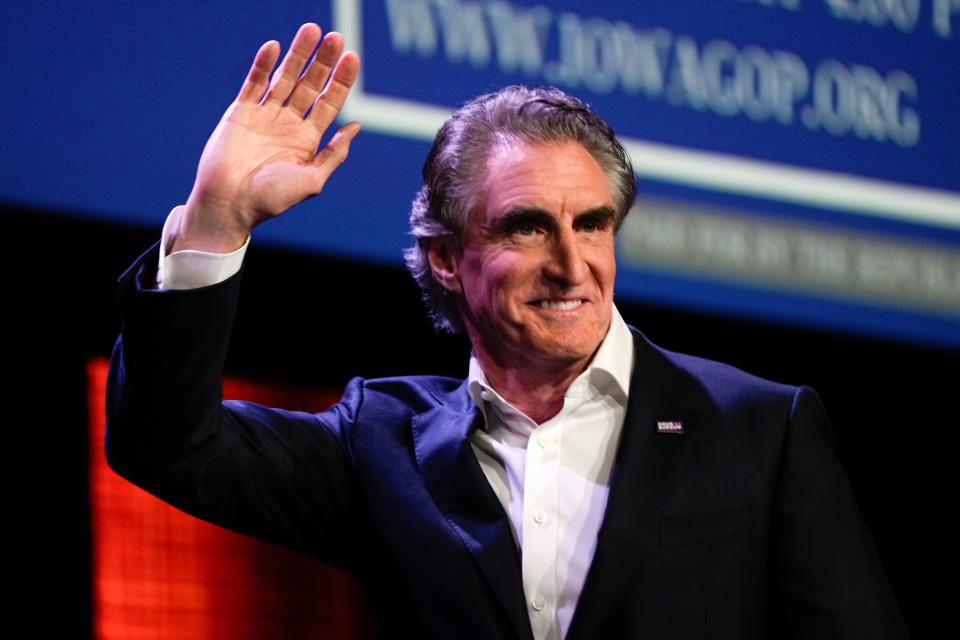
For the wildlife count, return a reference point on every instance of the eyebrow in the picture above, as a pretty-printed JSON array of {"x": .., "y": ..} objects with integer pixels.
[
  {"x": 536, "y": 215},
  {"x": 603, "y": 213}
]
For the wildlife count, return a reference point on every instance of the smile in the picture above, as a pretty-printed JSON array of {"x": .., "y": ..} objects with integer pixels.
[{"x": 559, "y": 304}]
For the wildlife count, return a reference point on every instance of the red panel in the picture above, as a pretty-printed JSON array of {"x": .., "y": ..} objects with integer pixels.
[{"x": 159, "y": 573}]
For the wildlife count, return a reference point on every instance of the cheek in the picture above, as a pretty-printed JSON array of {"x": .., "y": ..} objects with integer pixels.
[
  {"x": 488, "y": 289},
  {"x": 500, "y": 282},
  {"x": 605, "y": 268},
  {"x": 506, "y": 274}
]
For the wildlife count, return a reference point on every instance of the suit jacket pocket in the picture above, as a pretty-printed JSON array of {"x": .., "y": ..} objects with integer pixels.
[{"x": 702, "y": 526}]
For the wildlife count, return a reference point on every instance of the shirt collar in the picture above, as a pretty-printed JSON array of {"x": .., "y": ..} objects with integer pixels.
[{"x": 613, "y": 362}]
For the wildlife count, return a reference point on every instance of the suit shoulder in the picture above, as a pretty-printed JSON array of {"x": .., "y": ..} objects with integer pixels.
[
  {"x": 725, "y": 384},
  {"x": 415, "y": 394},
  {"x": 383, "y": 409}
]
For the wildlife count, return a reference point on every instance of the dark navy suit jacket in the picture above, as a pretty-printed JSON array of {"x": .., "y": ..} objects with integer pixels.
[{"x": 742, "y": 526}]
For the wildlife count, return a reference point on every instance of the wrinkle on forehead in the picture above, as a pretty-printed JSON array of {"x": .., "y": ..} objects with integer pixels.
[{"x": 515, "y": 150}]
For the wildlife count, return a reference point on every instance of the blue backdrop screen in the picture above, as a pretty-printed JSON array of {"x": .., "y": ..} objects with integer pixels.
[{"x": 797, "y": 159}]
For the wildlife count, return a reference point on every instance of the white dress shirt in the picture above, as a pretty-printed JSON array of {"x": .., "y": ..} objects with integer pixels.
[
  {"x": 552, "y": 479},
  {"x": 192, "y": 269}
]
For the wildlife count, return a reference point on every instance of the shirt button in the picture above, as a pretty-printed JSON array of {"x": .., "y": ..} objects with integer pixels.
[
  {"x": 540, "y": 516},
  {"x": 538, "y": 603},
  {"x": 543, "y": 440},
  {"x": 486, "y": 395}
]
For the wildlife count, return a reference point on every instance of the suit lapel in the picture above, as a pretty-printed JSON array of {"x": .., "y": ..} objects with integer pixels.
[
  {"x": 645, "y": 469},
  {"x": 464, "y": 496}
]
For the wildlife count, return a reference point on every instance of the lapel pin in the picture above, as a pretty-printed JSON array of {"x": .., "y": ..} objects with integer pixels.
[{"x": 672, "y": 426}]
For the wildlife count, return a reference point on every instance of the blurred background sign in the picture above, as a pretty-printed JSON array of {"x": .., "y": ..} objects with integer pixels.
[{"x": 797, "y": 159}]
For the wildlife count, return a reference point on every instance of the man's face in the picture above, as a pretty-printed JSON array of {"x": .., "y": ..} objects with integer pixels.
[{"x": 537, "y": 266}]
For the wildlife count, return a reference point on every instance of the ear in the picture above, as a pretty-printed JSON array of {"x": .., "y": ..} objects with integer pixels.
[{"x": 443, "y": 263}]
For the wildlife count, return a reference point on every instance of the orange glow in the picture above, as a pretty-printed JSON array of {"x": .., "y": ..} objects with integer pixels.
[{"x": 159, "y": 573}]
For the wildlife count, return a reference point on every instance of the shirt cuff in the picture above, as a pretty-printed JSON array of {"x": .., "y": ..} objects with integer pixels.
[{"x": 191, "y": 269}]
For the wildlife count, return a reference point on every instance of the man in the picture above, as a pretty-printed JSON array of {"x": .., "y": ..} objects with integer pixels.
[{"x": 580, "y": 483}]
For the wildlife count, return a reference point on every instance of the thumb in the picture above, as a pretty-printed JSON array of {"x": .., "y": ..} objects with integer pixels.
[{"x": 335, "y": 152}]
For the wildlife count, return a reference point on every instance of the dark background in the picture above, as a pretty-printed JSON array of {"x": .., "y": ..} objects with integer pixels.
[{"x": 308, "y": 319}]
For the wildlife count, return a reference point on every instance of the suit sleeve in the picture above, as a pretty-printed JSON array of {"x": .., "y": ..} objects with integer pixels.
[
  {"x": 282, "y": 476},
  {"x": 827, "y": 580}
]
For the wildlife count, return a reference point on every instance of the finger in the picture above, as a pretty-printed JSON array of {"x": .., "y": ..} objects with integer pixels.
[
  {"x": 331, "y": 99},
  {"x": 311, "y": 82},
  {"x": 334, "y": 154},
  {"x": 259, "y": 74},
  {"x": 286, "y": 76}
]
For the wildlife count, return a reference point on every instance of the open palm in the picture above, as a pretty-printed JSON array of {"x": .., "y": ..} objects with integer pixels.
[{"x": 262, "y": 158}]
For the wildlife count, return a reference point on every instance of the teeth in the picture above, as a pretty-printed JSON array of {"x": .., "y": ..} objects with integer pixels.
[{"x": 562, "y": 304}]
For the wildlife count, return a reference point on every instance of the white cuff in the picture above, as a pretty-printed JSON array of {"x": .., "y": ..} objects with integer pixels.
[{"x": 191, "y": 269}]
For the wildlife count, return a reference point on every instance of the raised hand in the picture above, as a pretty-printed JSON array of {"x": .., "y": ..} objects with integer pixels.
[{"x": 262, "y": 158}]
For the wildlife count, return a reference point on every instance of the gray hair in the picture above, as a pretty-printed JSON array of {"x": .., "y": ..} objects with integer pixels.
[{"x": 455, "y": 168}]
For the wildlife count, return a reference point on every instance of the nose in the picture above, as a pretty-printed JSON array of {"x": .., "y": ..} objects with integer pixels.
[{"x": 566, "y": 265}]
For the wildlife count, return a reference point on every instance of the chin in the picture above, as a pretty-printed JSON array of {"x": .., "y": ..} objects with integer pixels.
[{"x": 563, "y": 352}]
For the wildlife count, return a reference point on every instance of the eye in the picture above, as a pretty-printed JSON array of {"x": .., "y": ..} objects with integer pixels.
[
  {"x": 525, "y": 229},
  {"x": 593, "y": 225}
]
